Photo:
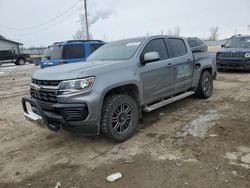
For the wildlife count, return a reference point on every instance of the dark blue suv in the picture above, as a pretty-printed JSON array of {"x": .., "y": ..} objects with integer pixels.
[
  {"x": 235, "y": 54},
  {"x": 69, "y": 52}
]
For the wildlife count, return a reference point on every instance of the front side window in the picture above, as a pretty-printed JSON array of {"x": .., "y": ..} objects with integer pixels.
[
  {"x": 238, "y": 42},
  {"x": 156, "y": 45},
  {"x": 178, "y": 47},
  {"x": 75, "y": 51}
]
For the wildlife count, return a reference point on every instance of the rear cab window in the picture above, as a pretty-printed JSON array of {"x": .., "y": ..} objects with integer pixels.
[
  {"x": 193, "y": 43},
  {"x": 156, "y": 45},
  {"x": 74, "y": 51},
  {"x": 177, "y": 47},
  {"x": 94, "y": 47}
]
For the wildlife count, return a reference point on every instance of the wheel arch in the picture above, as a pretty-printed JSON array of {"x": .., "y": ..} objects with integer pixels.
[
  {"x": 130, "y": 89},
  {"x": 207, "y": 68}
]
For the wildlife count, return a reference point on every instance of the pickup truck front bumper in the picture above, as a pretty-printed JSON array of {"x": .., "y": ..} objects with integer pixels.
[{"x": 55, "y": 116}]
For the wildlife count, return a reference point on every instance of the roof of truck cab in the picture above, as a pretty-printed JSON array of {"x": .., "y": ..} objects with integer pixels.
[
  {"x": 240, "y": 36},
  {"x": 149, "y": 37},
  {"x": 77, "y": 42}
]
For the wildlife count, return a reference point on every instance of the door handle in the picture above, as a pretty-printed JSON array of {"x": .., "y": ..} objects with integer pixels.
[{"x": 169, "y": 64}]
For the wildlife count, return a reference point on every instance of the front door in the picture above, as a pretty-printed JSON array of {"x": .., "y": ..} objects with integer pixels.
[{"x": 157, "y": 77}]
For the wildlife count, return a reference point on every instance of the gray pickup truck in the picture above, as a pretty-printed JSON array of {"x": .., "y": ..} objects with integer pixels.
[{"x": 108, "y": 93}]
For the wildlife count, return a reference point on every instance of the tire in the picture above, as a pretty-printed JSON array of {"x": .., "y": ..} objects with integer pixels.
[
  {"x": 20, "y": 61},
  {"x": 119, "y": 117},
  {"x": 205, "y": 87}
]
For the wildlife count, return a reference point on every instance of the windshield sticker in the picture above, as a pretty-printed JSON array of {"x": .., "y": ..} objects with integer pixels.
[{"x": 133, "y": 44}]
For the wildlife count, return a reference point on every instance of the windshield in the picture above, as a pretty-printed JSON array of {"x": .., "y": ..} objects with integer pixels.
[
  {"x": 238, "y": 42},
  {"x": 53, "y": 52},
  {"x": 119, "y": 50}
]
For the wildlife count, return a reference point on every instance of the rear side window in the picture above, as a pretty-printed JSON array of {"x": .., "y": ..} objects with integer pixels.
[
  {"x": 178, "y": 47},
  {"x": 192, "y": 43},
  {"x": 200, "y": 42},
  {"x": 156, "y": 45},
  {"x": 74, "y": 51},
  {"x": 94, "y": 47}
]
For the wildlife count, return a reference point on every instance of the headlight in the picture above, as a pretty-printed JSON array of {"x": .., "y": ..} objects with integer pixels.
[
  {"x": 79, "y": 85},
  {"x": 247, "y": 55}
]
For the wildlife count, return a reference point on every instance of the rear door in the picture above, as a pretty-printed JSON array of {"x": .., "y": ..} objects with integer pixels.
[
  {"x": 183, "y": 62},
  {"x": 157, "y": 77}
]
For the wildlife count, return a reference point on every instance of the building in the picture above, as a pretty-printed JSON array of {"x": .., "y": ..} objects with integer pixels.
[{"x": 6, "y": 44}]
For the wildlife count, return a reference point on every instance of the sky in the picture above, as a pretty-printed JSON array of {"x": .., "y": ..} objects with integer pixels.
[{"x": 25, "y": 20}]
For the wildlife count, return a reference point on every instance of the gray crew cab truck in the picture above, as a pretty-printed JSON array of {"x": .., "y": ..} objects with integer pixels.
[{"x": 121, "y": 79}]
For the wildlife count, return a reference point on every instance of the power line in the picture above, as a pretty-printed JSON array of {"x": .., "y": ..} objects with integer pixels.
[
  {"x": 44, "y": 23},
  {"x": 48, "y": 27}
]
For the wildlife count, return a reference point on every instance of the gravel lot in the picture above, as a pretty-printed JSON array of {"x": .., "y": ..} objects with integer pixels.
[{"x": 191, "y": 143}]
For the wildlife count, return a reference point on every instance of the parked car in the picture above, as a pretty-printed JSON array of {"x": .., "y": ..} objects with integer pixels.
[
  {"x": 235, "y": 54},
  {"x": 108, "y": 93},
  {"x": 199, "y": 48},
  {"x": 197, "y": 45},
  {"x": 10, "y": 56},
  {"x": 69, "y": 52}
]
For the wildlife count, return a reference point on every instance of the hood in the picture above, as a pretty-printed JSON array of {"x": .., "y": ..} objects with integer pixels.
[
  {"x": 72, "y": 71},
  {"x": 234, "y": 50}
]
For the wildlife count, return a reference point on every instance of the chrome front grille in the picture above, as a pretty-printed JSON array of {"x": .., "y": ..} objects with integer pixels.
[
  {"x": 44, "y": 90},
  {"x": 231, "y": 56},
  {"x": 45, "y": 83}
]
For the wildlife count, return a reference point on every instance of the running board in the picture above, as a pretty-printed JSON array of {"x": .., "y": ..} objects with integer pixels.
[{"x": 167, "y": 101}]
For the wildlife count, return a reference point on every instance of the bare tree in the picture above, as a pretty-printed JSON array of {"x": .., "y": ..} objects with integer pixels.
[
  {"x": 177, "y": 31},
  {"x": 80, "y": 35},
  {"x": 213, "y": 33},
  {"x": 170, "y": 32}
]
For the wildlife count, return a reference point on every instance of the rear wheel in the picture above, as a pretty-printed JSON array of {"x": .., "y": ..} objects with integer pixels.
[
  {"x": 119, "y": 117},
  {"x": 20, "y": 61},
  {"x": 205, "y": 87}
]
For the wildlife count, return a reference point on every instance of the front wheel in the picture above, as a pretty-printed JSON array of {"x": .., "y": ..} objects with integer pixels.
[
  {"x": 119, "y": 117},
  {"x": 205, "y": 87},
  {"x": 20, "y": 61}
]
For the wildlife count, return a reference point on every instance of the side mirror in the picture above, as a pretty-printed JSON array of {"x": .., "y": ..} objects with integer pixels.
[
  {"x": 151, "y": 57},
  {"x": 223, "y": 45}
]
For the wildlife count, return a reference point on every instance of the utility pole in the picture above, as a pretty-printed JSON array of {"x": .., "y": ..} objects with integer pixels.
[{"x": 86, "y": 19}]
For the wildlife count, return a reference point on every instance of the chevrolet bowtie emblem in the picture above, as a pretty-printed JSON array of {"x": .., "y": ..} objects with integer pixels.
[{"x": 37, "y": 88}]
